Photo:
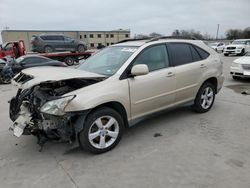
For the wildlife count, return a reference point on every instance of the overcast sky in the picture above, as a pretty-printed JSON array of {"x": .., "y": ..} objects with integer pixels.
[{"x": 140, "y": 16}]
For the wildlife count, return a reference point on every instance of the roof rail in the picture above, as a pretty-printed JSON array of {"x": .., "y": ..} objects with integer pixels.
[
  {"x": 171, "y": 37},
  {"x": 128, "y": 40}
]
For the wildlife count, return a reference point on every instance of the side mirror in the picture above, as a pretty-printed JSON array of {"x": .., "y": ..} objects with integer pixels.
[{"x": 139, "y": 70}]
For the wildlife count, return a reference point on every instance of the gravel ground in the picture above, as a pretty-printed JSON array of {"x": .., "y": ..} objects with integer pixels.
[{"x": 177, "y": 148}]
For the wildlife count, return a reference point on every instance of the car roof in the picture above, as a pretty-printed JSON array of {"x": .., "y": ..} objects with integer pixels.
[
  {"x": 141, "y": 42},
  {"x": 51, "y": 34}
]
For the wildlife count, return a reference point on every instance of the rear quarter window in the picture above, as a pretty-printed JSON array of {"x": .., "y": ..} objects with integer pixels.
[{"x": 203, "y": 54}]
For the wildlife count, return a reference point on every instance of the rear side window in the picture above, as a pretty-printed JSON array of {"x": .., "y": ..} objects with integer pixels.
[
  {"x": 195, "y": 55},
  {"x": 52, "y": 37},
  {"x": 203, "y": 53},
  {"x": 181, "y": 53}
]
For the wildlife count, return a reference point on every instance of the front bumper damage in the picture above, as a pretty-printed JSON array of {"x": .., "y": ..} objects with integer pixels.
[
  {"x": 25, "y": 112},
  {"x": 29, "y": 121}
]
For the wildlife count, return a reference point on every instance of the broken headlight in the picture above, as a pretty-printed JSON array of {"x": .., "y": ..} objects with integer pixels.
[{"x": 56, "y": 107}]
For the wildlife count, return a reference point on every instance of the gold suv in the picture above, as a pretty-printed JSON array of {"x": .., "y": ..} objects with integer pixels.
[{"x": 95, "y": 102}]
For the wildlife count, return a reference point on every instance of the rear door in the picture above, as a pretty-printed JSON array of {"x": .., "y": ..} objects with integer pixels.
[
  {"x": 189, "y": 68},
  {"x": 155, "y": 90},
  {"x": 69, "y": 43}
]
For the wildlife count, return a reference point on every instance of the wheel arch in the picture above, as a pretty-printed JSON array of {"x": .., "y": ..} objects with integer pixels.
[
  {"x": 118, "y": 107},
  {"x": 212, "y": 80}
]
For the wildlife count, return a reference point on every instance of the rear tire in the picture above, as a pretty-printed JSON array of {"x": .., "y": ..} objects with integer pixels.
[
  {"x": 236, "y": 77},
  {"x": 205, "y": 98},
  {"x": 102, "y": 130},
  {"x": 69, "y": 61},
  {"x": 5, "y": 80},
  {"x": 81, "y": 48}
]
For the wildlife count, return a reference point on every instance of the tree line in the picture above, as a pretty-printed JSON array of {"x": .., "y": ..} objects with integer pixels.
[{"x": 230, "y": 34}]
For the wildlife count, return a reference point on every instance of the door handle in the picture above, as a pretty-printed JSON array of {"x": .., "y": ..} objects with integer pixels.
[
  {"x": 170, "y": 74},
  {"x": 202, "y": 66}
]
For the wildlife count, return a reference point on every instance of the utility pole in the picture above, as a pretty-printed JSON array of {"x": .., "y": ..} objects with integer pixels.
[{"x": 218, "y": 27}]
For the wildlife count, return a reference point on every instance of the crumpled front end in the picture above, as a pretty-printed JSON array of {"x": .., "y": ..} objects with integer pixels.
[{"x": 39, "y": 110}]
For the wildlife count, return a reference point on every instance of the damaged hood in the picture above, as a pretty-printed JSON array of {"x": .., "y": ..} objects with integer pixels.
[{"x": 38, "y": 75}]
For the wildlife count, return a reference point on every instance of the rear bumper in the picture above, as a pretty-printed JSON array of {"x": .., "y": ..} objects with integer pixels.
[{"x": 220, "y": 80}]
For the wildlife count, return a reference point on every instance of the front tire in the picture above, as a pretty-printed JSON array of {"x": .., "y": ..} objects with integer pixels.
[
  {"x": 236, "y": 77},
  {"x": 225, "y": 54},
  {"x": 242, "y": 52},
  {"x": 102, "y": 130},
  {"x": 5, "y": 80},
  {"x": 205, "y": 98},
  {"x": 48, "y": 49}
]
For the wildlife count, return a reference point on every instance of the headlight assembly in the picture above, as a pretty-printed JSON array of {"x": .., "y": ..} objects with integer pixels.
[
  {"x": 239, "y": 47},
  {"x": 57, "y": 107}
]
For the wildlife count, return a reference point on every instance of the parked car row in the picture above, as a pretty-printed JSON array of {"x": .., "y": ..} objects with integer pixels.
[
  {"x": 11, "y": 67},
  {"x": 237, "y": 47}
]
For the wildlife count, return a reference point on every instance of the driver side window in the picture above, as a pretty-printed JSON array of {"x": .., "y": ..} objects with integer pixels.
[{"x": 155, "y": 57}]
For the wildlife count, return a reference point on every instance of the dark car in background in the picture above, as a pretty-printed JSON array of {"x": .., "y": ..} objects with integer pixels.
[
  {"x": 9, "y": 69},
  {"x": 46, "y": 43}
]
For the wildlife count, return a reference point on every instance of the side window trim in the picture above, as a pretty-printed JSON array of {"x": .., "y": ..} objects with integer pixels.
[
  {"x": 171, "y": 55},
  {"x": 161, "y": 44},
  {"x": 190, "y": 44},
  {"x": 125, "y": 73}
]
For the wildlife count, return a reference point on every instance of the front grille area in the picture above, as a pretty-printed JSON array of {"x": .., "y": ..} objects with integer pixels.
[
  {"x": 246, "y": 66},
  {"x": 22, "y": 78},
  {"x": 231, "y": 48}
]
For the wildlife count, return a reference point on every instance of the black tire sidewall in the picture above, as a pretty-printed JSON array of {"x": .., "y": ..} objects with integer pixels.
[
  {"x": 242, "y": 52},
  {"x": 69, "y": 64},
  {"x": 197, "y": 103},
  {"x": 79, "y": 46},
  {"x": 47, "y": 47},
  {"x": 83, "y": 135}
]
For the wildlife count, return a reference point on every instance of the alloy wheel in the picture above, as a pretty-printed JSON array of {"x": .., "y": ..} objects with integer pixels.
[
  {"x": 103, "y": 132},
  {"x": 207, "y": 97}
]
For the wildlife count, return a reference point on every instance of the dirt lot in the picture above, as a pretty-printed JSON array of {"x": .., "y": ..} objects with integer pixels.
[{"x": 178, "y": 148}]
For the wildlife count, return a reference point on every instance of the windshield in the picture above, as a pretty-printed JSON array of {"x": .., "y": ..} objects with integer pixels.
[
  {"x": 18, "y": 60},
  {"x": 109, "y": 60},
  {"x": 239, "y": 42}
]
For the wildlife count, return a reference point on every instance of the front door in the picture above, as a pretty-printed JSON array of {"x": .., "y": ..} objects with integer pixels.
[{"x": 156, "y": 90}]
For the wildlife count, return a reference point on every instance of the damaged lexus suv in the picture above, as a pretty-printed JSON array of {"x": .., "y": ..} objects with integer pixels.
[{"x": 95, "y": 102}]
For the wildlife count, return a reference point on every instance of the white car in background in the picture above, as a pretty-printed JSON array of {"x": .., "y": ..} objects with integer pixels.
[
  {"x": 238, "y": 47},
  {"x": 240, "y": 67},
  {"x": 218, "y": 46}
]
